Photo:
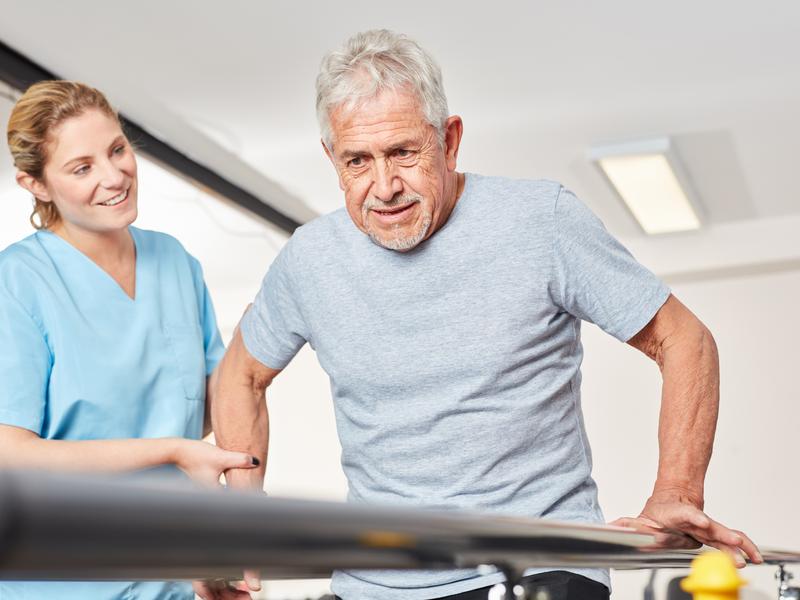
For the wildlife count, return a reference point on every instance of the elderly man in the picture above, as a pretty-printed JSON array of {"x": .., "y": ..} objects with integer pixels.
[{"x": 446, "y": 309}]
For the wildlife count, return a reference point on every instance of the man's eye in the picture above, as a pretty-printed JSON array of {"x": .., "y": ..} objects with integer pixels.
[
  {"x": 355, "y": 162},
  {"x": 403, "y": 153}
]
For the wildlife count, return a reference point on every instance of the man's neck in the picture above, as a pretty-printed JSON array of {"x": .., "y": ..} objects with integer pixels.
[{"x": 453, "y": 193}]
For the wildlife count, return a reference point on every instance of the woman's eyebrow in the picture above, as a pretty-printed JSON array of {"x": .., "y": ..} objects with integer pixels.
[{"x": 114, "y": 142}]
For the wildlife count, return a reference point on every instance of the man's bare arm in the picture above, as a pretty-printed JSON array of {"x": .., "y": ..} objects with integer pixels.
[
  {"x": 239, "y": 419},
  {"x": 686, "y": 353},
  {"x": 239, "y": 410}
]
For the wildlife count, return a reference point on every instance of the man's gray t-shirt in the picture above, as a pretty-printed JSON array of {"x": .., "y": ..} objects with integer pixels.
[{"x": 455, "y": 367}]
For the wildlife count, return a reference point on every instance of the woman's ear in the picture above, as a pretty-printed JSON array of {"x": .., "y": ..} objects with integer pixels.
[{"x": 33, "y": 185}]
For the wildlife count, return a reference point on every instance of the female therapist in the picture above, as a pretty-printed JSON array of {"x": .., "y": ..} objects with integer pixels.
[{"x": 108, "y": 335}]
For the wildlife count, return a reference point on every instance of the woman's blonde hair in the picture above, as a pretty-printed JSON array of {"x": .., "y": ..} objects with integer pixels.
[{"x": 42, "y": 107}]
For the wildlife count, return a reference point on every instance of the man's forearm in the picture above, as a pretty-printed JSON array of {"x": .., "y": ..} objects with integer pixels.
[
  {"x": 686, "y": 354},
  {"x": 239, "y": 414},
  {"x": 239, "y": 427},
  {"x": 689, "y": 408}
]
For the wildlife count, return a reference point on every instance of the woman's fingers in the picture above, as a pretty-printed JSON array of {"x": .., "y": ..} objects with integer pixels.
[{"x": 238, "y": 460}]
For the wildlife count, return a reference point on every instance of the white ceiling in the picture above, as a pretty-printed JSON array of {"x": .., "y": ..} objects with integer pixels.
[{"x": 537, "y": 83}]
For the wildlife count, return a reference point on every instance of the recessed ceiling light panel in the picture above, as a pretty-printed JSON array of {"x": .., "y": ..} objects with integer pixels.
[{"x": 647, "y": 175}]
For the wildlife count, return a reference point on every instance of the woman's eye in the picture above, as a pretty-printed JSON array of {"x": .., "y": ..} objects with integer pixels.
[
  {"x": 81, "y": 170},
  {"x": 119, "y": 149}
]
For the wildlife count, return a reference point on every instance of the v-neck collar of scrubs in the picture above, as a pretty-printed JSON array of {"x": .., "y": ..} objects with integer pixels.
[{"x": 104, "y": 274}]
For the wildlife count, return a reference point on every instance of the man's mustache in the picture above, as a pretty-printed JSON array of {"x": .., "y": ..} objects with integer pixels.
[{"x": 399, "y": 200}]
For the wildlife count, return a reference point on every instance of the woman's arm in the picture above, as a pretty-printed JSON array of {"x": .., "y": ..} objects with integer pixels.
[{"x": 203, "y": 462}]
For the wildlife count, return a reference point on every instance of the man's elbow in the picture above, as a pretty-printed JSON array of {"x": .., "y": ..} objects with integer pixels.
[{"x": 706, "y": 342}]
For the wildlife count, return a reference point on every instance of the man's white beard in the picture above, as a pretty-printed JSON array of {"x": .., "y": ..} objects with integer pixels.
[{"x": 402, "y": 243}]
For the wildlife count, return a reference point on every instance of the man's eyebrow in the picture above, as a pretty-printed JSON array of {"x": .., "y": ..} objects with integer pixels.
[
  {"x": 403, "y": 145},
  {"x": 351, "y": 154}
]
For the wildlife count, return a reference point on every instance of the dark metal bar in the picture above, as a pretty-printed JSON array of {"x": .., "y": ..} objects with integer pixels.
[
  {"x": 21, "y": 72},
  {"x": 58, "y": 526}
]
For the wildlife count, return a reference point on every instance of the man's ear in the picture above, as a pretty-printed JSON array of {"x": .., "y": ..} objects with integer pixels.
[
  {"x": 34, "y": 186},
  {"x": 453, "y": 130},
  {"x": 329, "y": 154}
]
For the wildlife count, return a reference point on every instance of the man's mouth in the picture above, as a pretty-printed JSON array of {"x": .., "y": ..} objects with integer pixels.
[
  {"x": 121, "y": 197},
  {"x": 395, "y": 212}
]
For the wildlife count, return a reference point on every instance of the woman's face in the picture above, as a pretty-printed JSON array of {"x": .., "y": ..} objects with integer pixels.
[{"x": 90, "y": 174}]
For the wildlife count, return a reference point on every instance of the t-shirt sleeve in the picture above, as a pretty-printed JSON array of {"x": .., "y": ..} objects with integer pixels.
[
  {"x": 274, "y": 329},
  {"x": 25, "y": 364},
  {"x": 596, "y": 278}
]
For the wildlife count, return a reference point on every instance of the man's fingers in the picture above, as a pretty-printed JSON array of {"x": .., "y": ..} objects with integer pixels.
[
  {"x": 624, "y": 522},
  {"x": 750, "y": 549},
  {"x": 220, "y": 589},
  {"x": 720, "y": 535},
  {"x": 252, "y": 579},
  {"x": 662, "y": 537},
  {"x": 683, "y": 517},
  {"x": 640, "y": 523},
  {"x": 676, "y": 540},
  {"x": 231, "y": 593},
  {"x": 650, "y": 522},
  {"x": 699, "y": 519},
  {"x": 691, "y": 517},
  {"x": 202, "y": 589},
  {"x": 734, "y": 553}
]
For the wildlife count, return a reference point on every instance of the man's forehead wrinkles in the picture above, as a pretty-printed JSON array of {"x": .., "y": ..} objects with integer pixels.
[
  {"x": 380, "y": 126},
  {"x": 363, "y": 140}
]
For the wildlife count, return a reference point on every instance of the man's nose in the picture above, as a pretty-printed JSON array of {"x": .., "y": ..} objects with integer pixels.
[{"x": 386, "y": 185}]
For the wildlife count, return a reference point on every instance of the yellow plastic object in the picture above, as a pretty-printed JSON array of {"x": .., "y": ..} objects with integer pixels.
[{"x": 713, "y": 577}]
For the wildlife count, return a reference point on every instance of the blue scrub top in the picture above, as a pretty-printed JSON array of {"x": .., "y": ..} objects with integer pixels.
[{"x": 81, "y": 360}]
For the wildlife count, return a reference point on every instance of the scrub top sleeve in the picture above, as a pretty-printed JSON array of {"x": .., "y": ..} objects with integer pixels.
[
  {"x": 595, "y": 277},
  {"x": 212, "y": 341},
  {"x": 25, "y": 364}
]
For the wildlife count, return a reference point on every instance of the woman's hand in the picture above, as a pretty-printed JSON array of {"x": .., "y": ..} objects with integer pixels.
[{"x": 204, "y": 462}]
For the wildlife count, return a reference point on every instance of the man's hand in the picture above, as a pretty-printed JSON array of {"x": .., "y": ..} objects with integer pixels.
[
  {"x": 221, "y": 589},
  {"x": 678, "y": 521}
]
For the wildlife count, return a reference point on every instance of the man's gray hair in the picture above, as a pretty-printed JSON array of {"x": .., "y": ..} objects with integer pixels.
[{"x": 371, "y": 62}]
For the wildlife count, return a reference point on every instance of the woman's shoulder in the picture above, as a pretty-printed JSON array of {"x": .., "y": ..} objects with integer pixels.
[
  {"x": 157, "y": 240},
  {"x": 162, "y": 244},
  {"x": 164, "y": 247},
  {"x": 23, "y": 256}
]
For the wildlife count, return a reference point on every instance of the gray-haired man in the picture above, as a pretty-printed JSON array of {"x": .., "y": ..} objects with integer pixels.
[{"x": 446, "y": 309}]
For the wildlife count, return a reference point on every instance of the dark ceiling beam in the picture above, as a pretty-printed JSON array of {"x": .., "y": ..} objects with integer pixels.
[{"x": 20, "y": 72}]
